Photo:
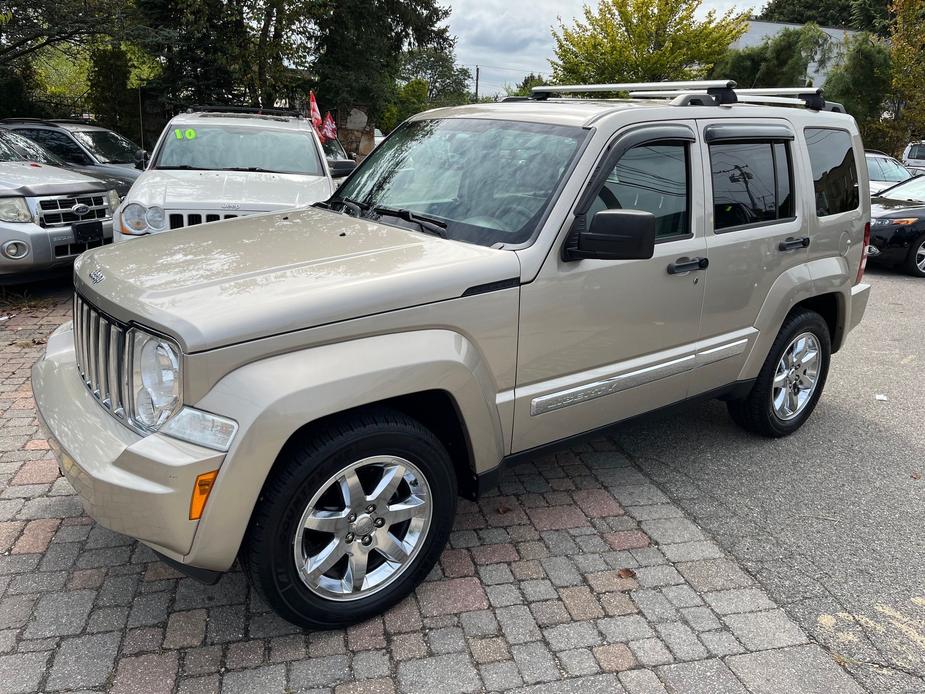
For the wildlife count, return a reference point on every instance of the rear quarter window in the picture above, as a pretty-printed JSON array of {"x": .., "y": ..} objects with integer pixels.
[{"x": 835, "y": 173}]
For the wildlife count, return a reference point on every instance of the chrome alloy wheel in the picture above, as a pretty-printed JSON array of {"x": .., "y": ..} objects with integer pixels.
[
  {"x": 363, "y": 528},
  {"x": 920, "y": 257},
  {"x": 796, "y": 376}
]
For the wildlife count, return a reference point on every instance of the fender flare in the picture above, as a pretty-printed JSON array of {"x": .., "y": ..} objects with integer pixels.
[{"x": 273, "y": 398}]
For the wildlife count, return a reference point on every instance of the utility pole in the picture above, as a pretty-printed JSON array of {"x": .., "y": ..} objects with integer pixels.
[{"x": 476, "y": 82}]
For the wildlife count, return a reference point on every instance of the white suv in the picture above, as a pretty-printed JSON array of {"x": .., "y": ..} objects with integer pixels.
[{"x": 209, "y": 166}]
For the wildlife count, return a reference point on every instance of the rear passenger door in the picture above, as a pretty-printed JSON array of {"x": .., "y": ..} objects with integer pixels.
[{"x": 756, "y": 230}]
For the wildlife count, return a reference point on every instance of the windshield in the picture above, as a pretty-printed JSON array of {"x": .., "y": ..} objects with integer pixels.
[
  {"x": 107, "y": 146},
  {"x": 8, "y": 152},
  {"x": 488, "y": 181},
  {"x": 885, "y": 169},
  {"x": 29, "y": 150},
  {"x": 333, "y": 149},
  {"x": 912, "y": 190},
  {"x": 916, "y": 152},
  {"x": 249, "y": 148}
]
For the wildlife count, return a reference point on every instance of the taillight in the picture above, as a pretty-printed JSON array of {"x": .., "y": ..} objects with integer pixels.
[{"x": 863, "y": 265}]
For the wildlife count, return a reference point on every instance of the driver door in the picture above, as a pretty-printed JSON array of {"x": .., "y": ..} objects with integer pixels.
[{"x": 603, "y": 340}]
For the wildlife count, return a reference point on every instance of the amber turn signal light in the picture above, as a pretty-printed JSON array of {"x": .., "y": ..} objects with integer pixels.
[{"x": 201, "y": 490}]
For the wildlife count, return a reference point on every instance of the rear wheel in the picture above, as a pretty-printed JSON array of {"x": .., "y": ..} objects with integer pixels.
[
  {"x": 791, "y": 381},
  {"x": 915, "y": 261},
  {"x": 351, "y": 520}
]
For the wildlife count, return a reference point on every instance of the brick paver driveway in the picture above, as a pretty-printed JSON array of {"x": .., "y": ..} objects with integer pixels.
[{"x": 578, "y": 576}]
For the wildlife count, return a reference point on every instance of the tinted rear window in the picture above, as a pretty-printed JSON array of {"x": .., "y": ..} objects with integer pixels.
[
  {"x": 835, "y": 173},
  {"x": 916, "y": 152}
]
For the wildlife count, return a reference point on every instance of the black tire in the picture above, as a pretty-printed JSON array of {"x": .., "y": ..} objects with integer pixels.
[
  {"x": 909, "y": 265},
  {"x": 267, "y": 551},
  {"x": 755, "y": 412}
]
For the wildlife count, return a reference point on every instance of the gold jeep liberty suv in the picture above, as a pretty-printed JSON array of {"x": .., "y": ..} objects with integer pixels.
[{"x": 309, "y": 391}]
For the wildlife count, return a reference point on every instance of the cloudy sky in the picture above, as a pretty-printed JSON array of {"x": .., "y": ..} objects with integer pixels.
[{"x": 510, "y": 38}]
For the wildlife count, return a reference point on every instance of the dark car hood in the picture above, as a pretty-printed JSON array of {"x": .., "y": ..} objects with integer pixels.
[
  {"x": 888, "y": 207},
  {"x": 116, "y": 177}
]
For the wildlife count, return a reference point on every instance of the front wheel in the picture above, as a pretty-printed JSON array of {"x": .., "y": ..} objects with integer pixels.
[
  {"x": 351, "y": 520},
  {"x": 791, "y": 381},
  {"x": 915, "y": 261}
]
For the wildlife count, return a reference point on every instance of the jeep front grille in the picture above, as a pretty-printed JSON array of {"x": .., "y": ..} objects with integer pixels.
[
  {"x": 100, "y": 345},
  {"x": 178, "y": 220},
  {"x": 56, "y": 211}
]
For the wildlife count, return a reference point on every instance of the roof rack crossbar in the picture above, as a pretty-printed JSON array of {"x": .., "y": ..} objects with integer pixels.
[{"x": 544, "y": 92}]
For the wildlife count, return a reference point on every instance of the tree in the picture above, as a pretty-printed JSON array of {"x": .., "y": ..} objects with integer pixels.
[
  {"x": 28, "y": 26},
  {"x": 643, "y": 40},
  {"x": 109, "y": 98},
  {"x": 447, "y": 82},
  {"x": 907, "y": 53},
  {"x": 862, "y": 15},
  {"x": 861, "y": 82},
  {"x": 782, "y": 60},
  {"x": 409, "y": 99},
  {"x": 359, "y": 47},
  {"x": 526, "y": 85},
  {"x": 832, "y": 13}
]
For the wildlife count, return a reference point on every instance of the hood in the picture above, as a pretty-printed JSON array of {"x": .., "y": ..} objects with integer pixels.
[
  {"x": 238, "y": 190},
  {"x": 887, "y": 207},
  {"x": 31, "y": 179},
  {"x": 252, "y": 277},
  {"x": 115, "y": 177},
  {"x": 877, "y": 186}
]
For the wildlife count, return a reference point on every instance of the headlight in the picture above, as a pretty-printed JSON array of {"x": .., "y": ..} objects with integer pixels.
[
  {"x": 889, "y": 221},
  {"x": 14, "y": 210},
  {"x": 156, "y": 217},
  {"x": 112, "y": 197},
  {"x": 134, "y": 219},
  {"x": 155, "y": 380}
]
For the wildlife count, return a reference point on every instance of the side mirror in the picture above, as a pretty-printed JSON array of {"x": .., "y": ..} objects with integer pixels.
[
  {"x": 341, "y": 167},
  {"x": 613, "y": 235},
  {"x": 141, "y": 159}
]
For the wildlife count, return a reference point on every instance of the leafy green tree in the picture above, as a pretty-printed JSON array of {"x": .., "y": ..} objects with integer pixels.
[
  {"x": 907, "y": 54},
  {"x": 61, "y": 78},
  {"x": 109, "y": 97},
  {"x": 526, "y": 85},
  {"x": 643, "y": 40},
  {"x": 359, "y": 46},
  {"x": 447, "y": 82},
  {"x": 28, "y": 26},
  {"x": 781, "y": 61},
  {"x": 832, "y": 13},
  {"x": 410, "y": 98},
  {"x": 861, "y": 82}
]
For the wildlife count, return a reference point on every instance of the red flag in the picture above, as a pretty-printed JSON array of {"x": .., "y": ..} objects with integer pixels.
[
  {"x": 329, "y": 129},
  {"x": 315, "y": 113}
]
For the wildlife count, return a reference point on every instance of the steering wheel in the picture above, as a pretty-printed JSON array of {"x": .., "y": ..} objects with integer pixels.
[{"x": 513, "y": 217}]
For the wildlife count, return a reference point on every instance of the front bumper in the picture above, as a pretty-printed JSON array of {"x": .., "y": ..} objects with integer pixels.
[
  {"x": 50, "y": 249},
  {"x": 136, "y": 485}
]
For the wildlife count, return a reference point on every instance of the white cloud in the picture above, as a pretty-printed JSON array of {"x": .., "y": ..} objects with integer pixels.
[{"x": 510, "y": 38}]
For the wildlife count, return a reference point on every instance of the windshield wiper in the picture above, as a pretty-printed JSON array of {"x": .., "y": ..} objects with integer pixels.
[
  {"x": 428, "y": 224},
  {"x": 250, "y": 168},
  {"x": 355, "y": 206},
  {"x": 181, "y": 167}
]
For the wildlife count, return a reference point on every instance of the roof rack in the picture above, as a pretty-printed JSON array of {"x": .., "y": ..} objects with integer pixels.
[
  {"x": 292, "y": 113},
  {"x": 721, "y": 90},
  {"x": 692, "y": 93}
]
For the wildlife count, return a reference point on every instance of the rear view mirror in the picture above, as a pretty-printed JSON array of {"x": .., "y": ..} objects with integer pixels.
[
  {"x": 613, "y": 235},
  {"x": 141, "y": 159}
]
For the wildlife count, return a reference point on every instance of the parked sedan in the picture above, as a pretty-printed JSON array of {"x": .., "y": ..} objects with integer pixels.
[
  {"x": 897, "y": 227},
  {"x": 884, "y": 171}
]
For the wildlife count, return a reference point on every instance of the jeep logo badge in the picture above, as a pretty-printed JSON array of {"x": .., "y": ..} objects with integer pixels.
[
  {"x": 96, "y": 277},
  {"x": 80, "y": 209},
  {"x": 231, "y": 206}
]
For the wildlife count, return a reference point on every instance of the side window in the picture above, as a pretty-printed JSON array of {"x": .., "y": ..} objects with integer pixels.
[
  {"x": 752, "y": 182},
  {"x": 58, "y": 143},
  {"x": 652, "y": 178},
  {"x": 835, "y": 173}
]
